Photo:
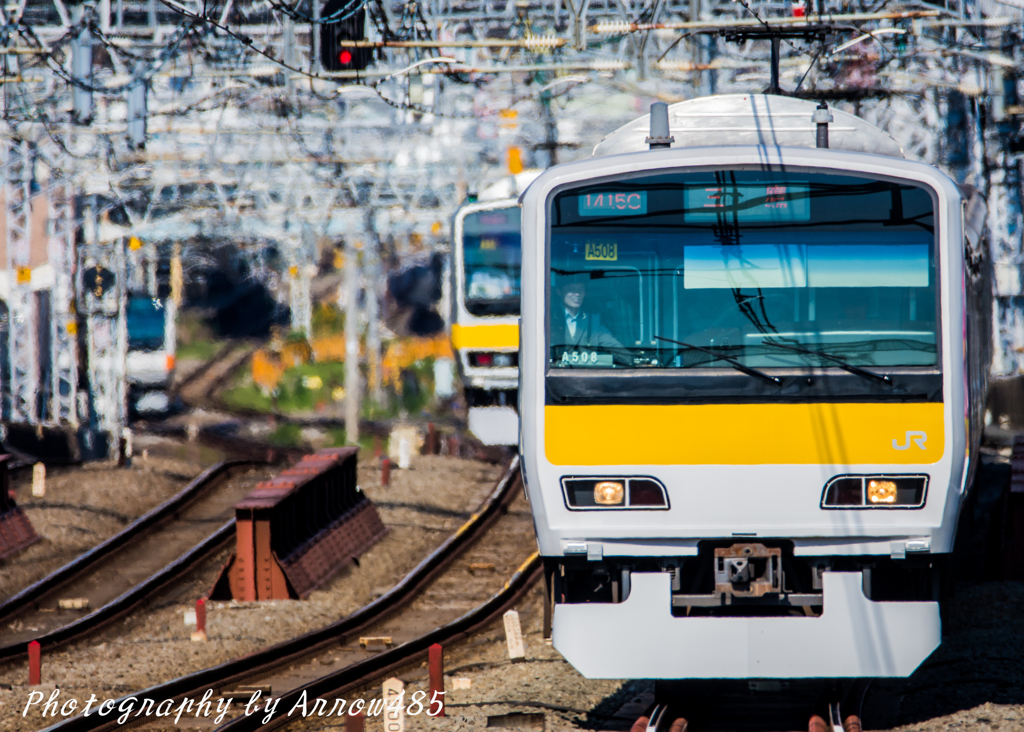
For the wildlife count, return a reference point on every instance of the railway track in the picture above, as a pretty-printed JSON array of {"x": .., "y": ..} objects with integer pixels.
[
  {"x": 364, "y": 672},
  {"x": 119, "y": 573},
  {"x": 438, "y": 590},
  {"x": 662, "y": 719},
  {"x": 199, "y": 387},
  {"x": 714, "y": 706}
]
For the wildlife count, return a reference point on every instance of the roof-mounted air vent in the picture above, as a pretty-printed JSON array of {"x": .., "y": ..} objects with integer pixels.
[{"x": 660, "y": 136}]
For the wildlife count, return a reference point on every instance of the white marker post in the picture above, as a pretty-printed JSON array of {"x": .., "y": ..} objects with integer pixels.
[
  {"x": 514, "y": 636},
  {"x": 38, "y": 480},
  {"x": 394, "y": 705},
  {"x": 404, "y": 453}
]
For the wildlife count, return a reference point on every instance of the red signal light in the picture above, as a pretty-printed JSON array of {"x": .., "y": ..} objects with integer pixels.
[{"x": 341, "y": 29}]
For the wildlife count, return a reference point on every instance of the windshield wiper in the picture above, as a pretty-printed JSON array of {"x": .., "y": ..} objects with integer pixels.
[
  {"x": 728, "y": 359},
  {"x": 837, "y": 361}
]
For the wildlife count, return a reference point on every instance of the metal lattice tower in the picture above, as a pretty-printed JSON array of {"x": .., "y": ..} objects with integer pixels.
[
  {"x": 107, "y": 331},
  {"x": 239, "y": 150},
  {"x": 23, "y": 329},
  {"x": 63, "y": 318}
]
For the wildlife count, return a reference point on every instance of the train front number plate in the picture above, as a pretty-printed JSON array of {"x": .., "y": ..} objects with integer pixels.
[{"x": 607, "y": 251}]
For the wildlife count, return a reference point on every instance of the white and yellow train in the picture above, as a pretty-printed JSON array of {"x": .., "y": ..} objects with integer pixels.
[
  {"x": 484, "y": 287},
  {"x": 752, "y": 378}
]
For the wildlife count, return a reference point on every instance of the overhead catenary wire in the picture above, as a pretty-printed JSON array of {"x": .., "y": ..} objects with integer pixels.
[
  {"x": 29, "y": 108},
  {"x": 144, "y": 76},
  {"x": 248, "y": 47}
]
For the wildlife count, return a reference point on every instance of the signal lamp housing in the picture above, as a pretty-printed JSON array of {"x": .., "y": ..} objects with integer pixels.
[
  {"x": 614, "y": 493},
  {"x": 492, "y": 359},
  {"x": 875, "y": 491},
  {"x": 340, "y": 24}
]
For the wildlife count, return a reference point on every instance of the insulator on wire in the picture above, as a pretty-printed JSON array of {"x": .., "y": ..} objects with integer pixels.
[
  {"x": 543, "y": 42},
  {"x": 81, "y": 68},
  {"x": 137, "y": 113}
]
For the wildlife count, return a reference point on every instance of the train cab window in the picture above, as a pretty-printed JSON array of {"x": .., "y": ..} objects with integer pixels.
[
  {"x": 760, "y": 269},
  {"x": 145, "y": 316},
  {"x": 492, "y": 257}
]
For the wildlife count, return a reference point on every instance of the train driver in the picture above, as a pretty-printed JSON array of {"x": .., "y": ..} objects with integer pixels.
[{"x": 578, "y": 338}]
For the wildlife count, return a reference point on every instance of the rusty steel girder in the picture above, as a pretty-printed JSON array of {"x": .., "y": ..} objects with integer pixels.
[{"x": 295, "y": 531}]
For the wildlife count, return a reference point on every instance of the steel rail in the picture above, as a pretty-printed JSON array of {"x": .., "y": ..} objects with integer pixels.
[
  {"x": 658, "y": 715},
  {"x": 358, "y": 674},
  {"x": 286, "y": 652},
  {"x": 122, "y": 604},
  {"x": 85, "y": 562},
  {"x": 216, "y": 435},
  {"x": 230, "y": 360},
  {"x": 69, "y": 571},
  {"x": 204, "y": 368}
]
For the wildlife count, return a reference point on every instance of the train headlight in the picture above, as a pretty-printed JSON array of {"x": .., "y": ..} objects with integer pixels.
[
  {"x": 492, "y": 359},
  {"x": 614, "y": 493},
  {"x": 609, "y": 493},
  {"x": 875, "y": 491},
  {"x": 881, "y": 491}
]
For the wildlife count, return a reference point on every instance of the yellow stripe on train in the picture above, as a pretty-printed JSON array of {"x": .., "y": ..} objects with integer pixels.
[
  {"x": 744, "y": 434},
  {"x": 485, "y": 336}
]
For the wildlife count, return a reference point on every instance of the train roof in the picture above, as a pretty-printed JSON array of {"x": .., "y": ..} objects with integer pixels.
[
  {"x": 751, "y": 119},
  {"x": 511, "y": 186}
]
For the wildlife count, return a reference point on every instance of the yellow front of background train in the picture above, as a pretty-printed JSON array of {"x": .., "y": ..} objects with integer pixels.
[{"x": 485, "y": 315}]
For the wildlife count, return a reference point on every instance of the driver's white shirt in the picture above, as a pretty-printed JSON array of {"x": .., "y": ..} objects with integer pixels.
[{"x": 570, "y": 322}]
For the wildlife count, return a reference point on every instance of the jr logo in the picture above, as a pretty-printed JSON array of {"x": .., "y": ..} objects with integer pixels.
[{"x": 918, "y": 438}]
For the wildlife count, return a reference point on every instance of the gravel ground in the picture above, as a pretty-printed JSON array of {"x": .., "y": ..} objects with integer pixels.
[
  {"x": 547, "y": 684},
  {"x": 84, "y": 506},
  {"x": 422, "y": 507},
  {"x": 975, "y": 680},
  {"x": 973, "y": 683}
]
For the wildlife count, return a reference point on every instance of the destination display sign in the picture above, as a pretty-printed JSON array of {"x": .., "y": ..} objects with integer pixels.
[
  {"x": 747, "y": 202},
  {"x": 613, "y": 204}
]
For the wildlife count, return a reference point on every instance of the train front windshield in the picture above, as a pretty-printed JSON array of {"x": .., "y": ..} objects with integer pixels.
[
  {"x": 768, "y": 269},
  {"x": 145, "y": 317},
  {"x": 492, "y": 257}
]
